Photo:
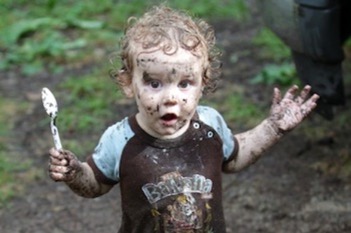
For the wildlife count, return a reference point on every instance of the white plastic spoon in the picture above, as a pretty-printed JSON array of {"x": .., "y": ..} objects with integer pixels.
[{"x": 51, "y": 108}]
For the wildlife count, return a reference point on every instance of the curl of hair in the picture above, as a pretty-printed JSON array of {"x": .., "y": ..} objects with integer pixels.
[{"x": 167, "y": 29}]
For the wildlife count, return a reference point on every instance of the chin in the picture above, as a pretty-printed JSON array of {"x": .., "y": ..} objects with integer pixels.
[
  {"x": 168, "y": 133},
  {"x": 171, "y": 133}
]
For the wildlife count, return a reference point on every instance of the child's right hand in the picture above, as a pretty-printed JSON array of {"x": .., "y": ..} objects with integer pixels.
[{"x": 63, "y": 165}]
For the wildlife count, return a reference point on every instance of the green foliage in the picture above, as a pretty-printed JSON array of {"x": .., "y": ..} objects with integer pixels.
[
  {"x": 242, "y": 112},
  {"x": 40, "y": 34},
  {"x": 8, "y": 164},
  {"x": 89, "y": 101},
  {"x": 210, "y": 9},
  {"x": 82, "y": 148},
  {"x": 51, "y": 34},
  {"x": 39, "y": 42},
  {"x": 15, "y": 173},
  {"x": 271, "y": 46},
  {"x": 348, "y": 43},
  {"x": 7, "y": 178},
  {"x": 283, "y": 75}
]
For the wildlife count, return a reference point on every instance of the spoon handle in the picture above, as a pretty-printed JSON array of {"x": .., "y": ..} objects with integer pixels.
[{"x": 55, "y": 135}]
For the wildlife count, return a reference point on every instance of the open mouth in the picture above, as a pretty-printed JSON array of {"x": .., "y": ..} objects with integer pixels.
[{"x": 169, "y": 117}]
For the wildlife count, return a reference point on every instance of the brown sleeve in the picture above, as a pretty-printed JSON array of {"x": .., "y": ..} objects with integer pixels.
[
  {"x": 99, "y": 176},
  {"x": 234, "y": 153}
]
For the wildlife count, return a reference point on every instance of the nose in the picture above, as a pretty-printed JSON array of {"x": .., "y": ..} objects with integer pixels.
[{"x": 170, "y": 98}]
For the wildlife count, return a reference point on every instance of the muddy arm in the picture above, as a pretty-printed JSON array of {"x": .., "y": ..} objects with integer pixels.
[
  {"x": 286, "y": 113},
  {"x": 86, "y": 185},
  {"x": 79, "y": 177},
  {"x": 252, "y": 144}
]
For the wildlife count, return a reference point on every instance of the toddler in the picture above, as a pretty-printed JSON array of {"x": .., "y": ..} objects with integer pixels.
[{"x": 168, "y": 157}]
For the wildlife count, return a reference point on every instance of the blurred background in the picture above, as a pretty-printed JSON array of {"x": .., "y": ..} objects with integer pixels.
[{"x": 302, "y": 185}]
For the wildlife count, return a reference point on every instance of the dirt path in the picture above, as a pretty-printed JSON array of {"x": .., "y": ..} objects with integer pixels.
[
  {"x": 283, "y": 192},
  {"x": 280, "y": 193}
]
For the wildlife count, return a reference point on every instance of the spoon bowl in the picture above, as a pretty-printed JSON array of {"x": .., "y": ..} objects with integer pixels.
[
  {"x": 49, "y": 102},
  {"x": 51, "y": 108}
]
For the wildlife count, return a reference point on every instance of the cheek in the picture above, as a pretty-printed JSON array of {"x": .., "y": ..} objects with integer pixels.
[
  {"x": 191, "y": 99},
  {"x": 148, "y": 102},
  {"x": 136, "y": 91},
  {"x": 190, "y": 103}
]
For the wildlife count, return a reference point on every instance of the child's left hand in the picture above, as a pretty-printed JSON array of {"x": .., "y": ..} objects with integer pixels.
[{"x": 289, "y": 111}]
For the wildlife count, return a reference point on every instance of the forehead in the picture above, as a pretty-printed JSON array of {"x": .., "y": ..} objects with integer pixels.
[{"x": 181, "y": 60}]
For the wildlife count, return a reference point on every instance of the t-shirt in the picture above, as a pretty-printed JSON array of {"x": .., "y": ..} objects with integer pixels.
[{"x": 167, "y": 185}]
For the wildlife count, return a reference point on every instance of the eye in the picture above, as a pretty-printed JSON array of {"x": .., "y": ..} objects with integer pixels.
[
  {"x": 154, "y": 84},
  {"x": 184, "y": 84}
]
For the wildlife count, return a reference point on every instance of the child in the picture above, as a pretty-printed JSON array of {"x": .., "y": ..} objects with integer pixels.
[{"x": 169, "y": 156}]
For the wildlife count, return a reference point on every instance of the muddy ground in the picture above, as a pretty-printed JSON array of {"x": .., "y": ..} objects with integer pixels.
[{"x": 296, "y": 187}]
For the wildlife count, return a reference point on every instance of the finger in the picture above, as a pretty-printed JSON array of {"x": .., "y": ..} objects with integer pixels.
[
  {"x": 68, "y": 155},
  {"x": 312, "y": 101},
  {"x": 290, "y": 94},
  {"x": 314, "y": 98},
  {"x": 309, "y": 105},
  {"x": 60, "y": 162},
  {"x": 59, "y": 169},
  {"x": 306, "y": 111},
  {"x": 57, "y": 176},
  {"x": 305, "y": 91},
  {"x": 276, "y": 96},
  {"x": 303, "y": 95},
  {"x": 56, "y": 154}
]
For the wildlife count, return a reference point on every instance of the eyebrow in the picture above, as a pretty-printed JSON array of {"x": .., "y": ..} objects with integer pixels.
[{"x": 146, "y": 77}]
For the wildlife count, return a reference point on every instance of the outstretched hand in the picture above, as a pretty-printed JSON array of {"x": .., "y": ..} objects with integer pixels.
[
  {"x": 287, "y": 112},
  {"x": 63, "y": 165}
]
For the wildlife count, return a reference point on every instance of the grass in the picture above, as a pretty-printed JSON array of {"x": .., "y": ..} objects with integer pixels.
[
  {"x": 53, "y": 36},
  {"x": 89, "y": 99},
  {"x": 272, "y": 47},
  {"x": 282, "y": 74},
  {"x": 56, "y": 33},
  {"x": 238, "y": 111},
  {"x": 281, "y": 71},
  {"x": 7, "y": 166},
  {"x": 245, "y": 114},
  {"x": 10, "y": 164},
  {"x": 7, "y": 178},
  {"x": 15, "y": 174}
]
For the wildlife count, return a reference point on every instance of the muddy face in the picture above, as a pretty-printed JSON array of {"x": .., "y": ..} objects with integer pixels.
[{"x": 167, "y": 89}]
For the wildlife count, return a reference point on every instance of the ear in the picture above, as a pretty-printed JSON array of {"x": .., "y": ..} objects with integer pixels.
[
  {"x": 124, "y": 79},
  {"x": 128, "y": 90}
]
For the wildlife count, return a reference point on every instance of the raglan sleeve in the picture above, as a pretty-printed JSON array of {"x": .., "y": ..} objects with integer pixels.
[
  {"x": 105, "y": 160},
  {"x": 214, "y": 119}
]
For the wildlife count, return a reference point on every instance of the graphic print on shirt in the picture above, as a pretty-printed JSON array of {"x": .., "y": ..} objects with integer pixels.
[{"x": 184, "y": 213}]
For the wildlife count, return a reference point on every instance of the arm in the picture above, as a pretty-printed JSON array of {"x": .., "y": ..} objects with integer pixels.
[
  {"x": 286, "y": 113},
  {"x": 79, "y": 177}
]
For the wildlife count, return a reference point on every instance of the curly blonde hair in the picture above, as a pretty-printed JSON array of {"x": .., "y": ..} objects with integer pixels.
[{"x": 167, "y": 29}]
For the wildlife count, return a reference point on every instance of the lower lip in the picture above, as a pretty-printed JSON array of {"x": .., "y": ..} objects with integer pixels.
[{"x": 169, "y": 123}]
